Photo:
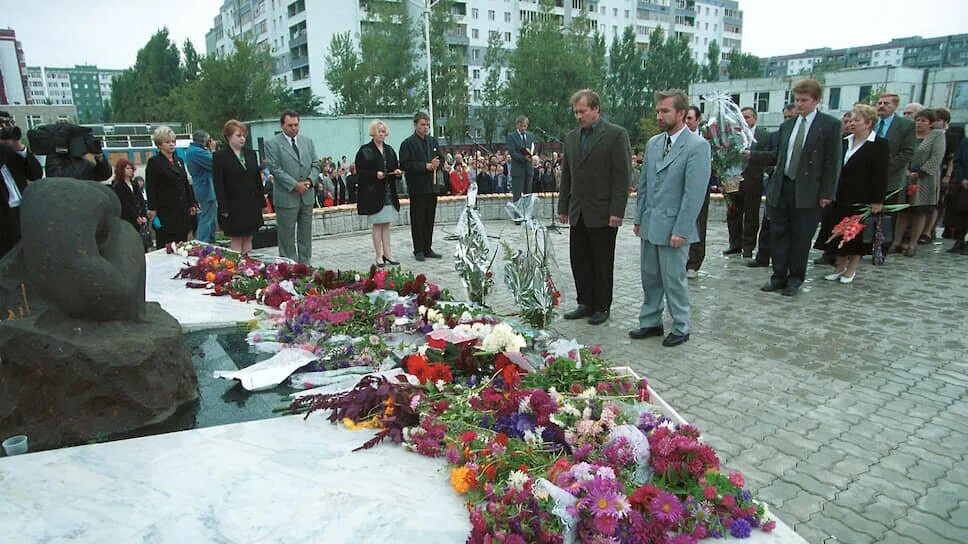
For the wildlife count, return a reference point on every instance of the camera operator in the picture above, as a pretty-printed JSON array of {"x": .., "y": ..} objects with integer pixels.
[
  {"x": 72, "y": 152},
  {"x": 17, "y": 167}
]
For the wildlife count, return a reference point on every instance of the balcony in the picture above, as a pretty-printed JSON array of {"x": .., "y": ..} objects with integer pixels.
[
  {"x": 298, "y": 62},
  {"x": 298, "y": 39}
]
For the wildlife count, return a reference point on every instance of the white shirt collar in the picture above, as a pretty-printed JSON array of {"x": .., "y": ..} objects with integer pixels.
[
  {"x": 675, "y": 136},
  {"x": 850, "y": 145}
]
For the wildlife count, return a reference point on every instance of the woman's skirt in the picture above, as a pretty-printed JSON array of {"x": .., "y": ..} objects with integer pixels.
[{"x": 387, "y": 215}]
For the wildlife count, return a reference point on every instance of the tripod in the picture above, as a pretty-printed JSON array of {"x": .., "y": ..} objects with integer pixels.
[{"x": 554, "y": 226}]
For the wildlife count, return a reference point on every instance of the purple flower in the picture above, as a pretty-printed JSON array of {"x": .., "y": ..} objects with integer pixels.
[
  {"x": 740, "y": 528},
  {"x": 452, "y": 456},
  {"x": 666, "y": 508}
]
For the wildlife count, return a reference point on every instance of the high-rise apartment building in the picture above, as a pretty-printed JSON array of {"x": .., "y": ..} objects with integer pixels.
[
  {"x": 13, "y": 70},
  {"x": 86, "y": 87},
  {"x": 298, "y": 32}
]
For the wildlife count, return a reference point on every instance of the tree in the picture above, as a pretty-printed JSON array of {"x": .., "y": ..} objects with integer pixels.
[
  {"x": 625, "y": 85},
  {"x": 106, "y": 112},
  {"x": 669, "y": 63},
  {"x": 378, "y": 76},
  {"x": 743, "y": 65},
  {"x": 492, "y": 95},
  {"x": 141, "y": 92},
  {"x": 550, "y": 62},
  {"x": 191, "y": 66},
  {"x": 448, "y": 74},
  {"x": 711, "y": 70}
]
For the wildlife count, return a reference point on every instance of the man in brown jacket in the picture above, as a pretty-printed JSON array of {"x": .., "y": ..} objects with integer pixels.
[{"x": 595, "y": 178}]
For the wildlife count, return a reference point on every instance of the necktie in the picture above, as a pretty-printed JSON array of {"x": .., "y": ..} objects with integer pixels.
[
  {"x": 668, "y": 146},
  {"x": 880, "y": 128},
  {"x": 791, "y": 170},
  {"x": 295, "y": 147},
  {"x": 522, "y": 137}
]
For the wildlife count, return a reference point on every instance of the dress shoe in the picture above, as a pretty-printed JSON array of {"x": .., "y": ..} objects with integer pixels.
[
  {"x": 692, "y": 274},
  {"x": 583, "y": 310},
  {"x": 790, "y": 290},
  {"x": 834, "y": 277},
  {"x": 598, "y": 317},
  {"x": 675, "y": 339},
  {"x": 419, "y": 256},
  {"x": 757, "y": 264},
  {"x": 747, "y": 254},
  {"x": 431, "y": 254},
  {"x": 732, "y": 251},
  {"x": 848, "y": 280},
  {"x": 646, "y": 332},
  {"x": 769, "y": 287},
  {"x": 957, "y": 247},
  {"x": 389, "y": 261},
  {"x": 911, "y": 251},
  {"x": 924, "y": 239}
]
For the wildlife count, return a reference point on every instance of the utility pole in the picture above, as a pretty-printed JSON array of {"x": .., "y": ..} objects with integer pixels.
[{"x": 428, "y": 5}]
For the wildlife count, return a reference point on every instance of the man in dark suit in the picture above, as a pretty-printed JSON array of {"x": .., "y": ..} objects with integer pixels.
[
  {"x": 593, "y": 194},
  {"x": 808, "y": 161},
  {"x": 763, "y": 252},
  {"x": 743, "y": 213},
  {"x": 901, "y": 139},
  {"x": 420, "y": 159},
  {"x": 520, "y": 144},
  {"x": 17, "y": 167},
  {"x": 294, "y": 167}
]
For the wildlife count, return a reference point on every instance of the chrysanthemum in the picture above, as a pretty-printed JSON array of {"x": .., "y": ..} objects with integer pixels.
[
  {"x": 665, "y": 507},
  {"x": 740, "y": 528}
]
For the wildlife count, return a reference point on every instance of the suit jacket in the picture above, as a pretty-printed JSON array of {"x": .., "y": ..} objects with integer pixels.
[
  {"x": 595, "y": 186},
  {"x": 199, "y": 162},
  {"x": 753, "y": 171},
  {"x": 902, "y": 141},
  {"x": 372, "y": 192},
  {"x": 516, "y": 147},
  {"x": 927, "y": 159},
  {"x": 672, "y": 190},
  {"x": 169, "y": 193},
  {"x": 287, "y": 169},
  {"x": 132, "y": 204},
  {"x": 821, "y": 158},
  {"x": 238, "y": 191},
  {"x": 22, "y": 168},
  {"x": 415, "y": 153},
  {"x": 863, "y": 179}
]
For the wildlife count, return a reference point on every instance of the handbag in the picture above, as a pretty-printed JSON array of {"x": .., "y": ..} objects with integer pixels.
[{"x": 880, "y": 225}]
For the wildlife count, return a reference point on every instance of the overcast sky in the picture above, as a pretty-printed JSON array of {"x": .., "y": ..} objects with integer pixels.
[{"x": 109, "y": 33}]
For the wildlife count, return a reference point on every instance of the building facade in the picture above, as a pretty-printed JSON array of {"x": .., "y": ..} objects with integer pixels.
[
  {"x": 298, "y": 32},
  {"x": 13, "y": 70},
  {"x": 913, "y": 52},
  {"x": 86, "y": 87}
]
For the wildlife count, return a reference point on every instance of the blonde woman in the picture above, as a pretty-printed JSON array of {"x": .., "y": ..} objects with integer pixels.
[
  {"x": 170, "y": 196},
  {"x": 378, "y": 169}
]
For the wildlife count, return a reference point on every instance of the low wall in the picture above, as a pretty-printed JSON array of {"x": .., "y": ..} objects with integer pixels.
[{"x": 343, "y": 219}]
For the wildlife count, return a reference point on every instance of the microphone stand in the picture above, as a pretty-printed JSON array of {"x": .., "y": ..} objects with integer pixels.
[{"x": 554, "y": 226}]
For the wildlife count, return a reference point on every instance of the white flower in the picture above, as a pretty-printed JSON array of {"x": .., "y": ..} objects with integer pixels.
[
  {"x": 502, "y": 338},
  {"x": 422, "y": 349},
  {"x": 440, "y": 384},
  {"x": 588, "y": 393},
  {"x": 605, "y": 472},
  {"x": 288, "y": 287},
  {"x": 517, "y": 479},
  {"x": 569, "y": 409},
  {"x": 582, "y": 471},
  {"x": 525, "y": 405},
  {"x": 533, "y": 438}
]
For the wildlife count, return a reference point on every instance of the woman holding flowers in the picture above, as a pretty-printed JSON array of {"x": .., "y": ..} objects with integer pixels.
[
  {"x": 238, "y": 188},
  {"x": 863, "y": 181},
  {"x": 922, "y": 175},
  {"x": 378, "y": 169}
]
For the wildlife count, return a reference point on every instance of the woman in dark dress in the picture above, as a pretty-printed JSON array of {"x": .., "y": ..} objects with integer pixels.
[
  {"x": 238, "y": 188},
  {"x": 863, "y": 180},
  {"x": 129, "y": 193},
  {"x": 170, "y": 195},
  {"x": 378, "y": 170}
]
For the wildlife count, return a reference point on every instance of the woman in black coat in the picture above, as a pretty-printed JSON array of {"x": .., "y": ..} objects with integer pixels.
[
  {"x": 238, "y": 188},
  {"x": 377, "y": 170},
  {"x": 170, "y": 195},
  {"x": 863, "y": 180},
  {"x": 132, "y": 203}
]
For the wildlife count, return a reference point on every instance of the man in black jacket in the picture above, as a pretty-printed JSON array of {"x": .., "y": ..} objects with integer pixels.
[
  {"x": 420, "y": 159},
  {"x": 17, "y": 166}
]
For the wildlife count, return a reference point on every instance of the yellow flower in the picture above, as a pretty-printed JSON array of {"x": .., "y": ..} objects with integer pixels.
[
  {"x": 372, "y": 423},
  {"x": 462, "y": 479}
]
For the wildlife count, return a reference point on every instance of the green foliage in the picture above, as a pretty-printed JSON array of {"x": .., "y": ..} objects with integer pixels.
[
  {"x": 192, "y": 61},
  {"x": 491, "y": 112},
  {"x": 141, "y": 92},
  {"x": 648, "y": 127},
  {"x": 107, "y": 112},
  {"x": 711, "y": 70},
  {"x": 871, "y": 98},
  {"x": 625, "y": 84},
  {"x": 743, "y": 65},
  {"x": 550, "y": 63},
  {"x": 669, "y": 63},
  {"x": 448, "y": 74}
]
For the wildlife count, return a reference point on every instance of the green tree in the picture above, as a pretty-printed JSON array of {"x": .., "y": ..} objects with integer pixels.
[
  {"x": 491, "y": 112},
  {"x": 192, "y": 60},
  {"x": 447, "y": 73},
  {"x": 552, "y": 61},
  {"x": 625, "y": 85},
  {"x": 141, "y": 92},
  {"x": 711, "y": 70},
  {"x": 107, "y": 112},
  {"x": 669, "y": 63},
  {"x": 743, "y": 65},
  {"x": 378, "y": 76}
]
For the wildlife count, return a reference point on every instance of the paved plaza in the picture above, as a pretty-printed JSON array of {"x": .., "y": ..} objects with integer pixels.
[{"x": 845, "y": 407}]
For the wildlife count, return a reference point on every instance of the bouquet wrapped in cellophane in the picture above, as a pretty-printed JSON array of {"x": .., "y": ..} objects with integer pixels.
[
  {"x": 474, "y": 256},
  {"x": 527, "y": 273},
  {"x": 728, "y": 136}
]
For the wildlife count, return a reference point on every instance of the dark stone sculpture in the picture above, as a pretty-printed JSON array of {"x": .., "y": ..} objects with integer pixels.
[{"x": 84, "y": 356}]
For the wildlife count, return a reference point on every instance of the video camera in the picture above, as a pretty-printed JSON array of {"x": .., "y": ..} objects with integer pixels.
[
  {"x": 63, "y": 139},
  {"x": 9, "y": 130}
]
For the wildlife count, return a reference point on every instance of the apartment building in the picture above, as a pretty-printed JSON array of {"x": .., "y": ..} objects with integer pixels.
[
  {"x": 13, "y": 76},
  {"x": 85, "y": 86}
]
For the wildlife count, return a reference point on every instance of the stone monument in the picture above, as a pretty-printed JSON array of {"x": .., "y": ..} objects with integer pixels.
[{"x": 82, "y": 355}]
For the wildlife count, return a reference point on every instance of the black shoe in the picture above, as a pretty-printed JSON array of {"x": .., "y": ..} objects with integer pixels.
[
  {"x": 598, "y": 317},
  {"x": 419, "y": 256},
  {"x": 432, "y": 254},
  {"x": 391, "y": 262},
  {"x": 790, "y": 290},
  {"x": 380, "y": 265},
  {"x": 747, "y": 254},
  {"x": 957, "y": 247},
  {"x": 769, "y": 287},
  {"x": 583, "y": 310},
  {"x": 646, "y": 332},
  {"x": 757, "y": 264},
  {"x": 732, "y": 251},
  {"x": 924, "y": 239},
  {"x": 674, "y": 339}
]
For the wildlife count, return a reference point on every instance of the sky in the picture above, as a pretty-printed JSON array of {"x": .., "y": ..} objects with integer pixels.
[{"x": 109, "y": 33}]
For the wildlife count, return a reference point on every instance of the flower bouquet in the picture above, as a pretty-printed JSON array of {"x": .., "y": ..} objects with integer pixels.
[
  {"x": 728, "y": 136},
  {"x": 474, "y": 256},
  {"x": 527, "y": 273}
]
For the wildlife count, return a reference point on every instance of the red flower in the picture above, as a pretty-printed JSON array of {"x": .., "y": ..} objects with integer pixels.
[
  {"x": 468, "y": 437},
  {"x": 710, "y": 492},
  {"x": 418, "y": 366},
  {"x": 501, "y": 439},
  {"x": 911, "y": 189},
  {"x": 436, "y": 343}
]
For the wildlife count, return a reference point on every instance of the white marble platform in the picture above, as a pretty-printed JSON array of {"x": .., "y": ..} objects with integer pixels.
[{"x": 191, "y": 307}]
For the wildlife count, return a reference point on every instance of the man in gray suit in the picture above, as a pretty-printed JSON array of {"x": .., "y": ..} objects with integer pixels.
[
  {"x": 593, "y": 194},
  {"x": 671, "y": 191},
  {"x": 808, "y": 161},
  {"x": 901, "y": 140},
  {"x": 520, "y": 144},
  {"x": 293, "y": 164}
]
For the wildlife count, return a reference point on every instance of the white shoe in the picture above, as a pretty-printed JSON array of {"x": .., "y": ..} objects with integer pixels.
[
  {"x": 834, "y": 277},
  {"x": 845, "y": 280},
  {"x": 691, "y": 274}
]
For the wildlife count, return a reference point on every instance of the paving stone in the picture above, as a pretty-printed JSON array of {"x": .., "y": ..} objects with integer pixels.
[
  {"x": 835, "y": 531},
  {"x": 855, "y": 521},
  {"x": 804, "y": 505},
  {"x": 856, "y": 496}
]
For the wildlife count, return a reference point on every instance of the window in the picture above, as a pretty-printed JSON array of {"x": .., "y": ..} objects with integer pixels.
[
  {"x": 477, "y": 95},
  {"x": 865, "y": 93},
  {"x": 490, "y": 15},
  {"x": 734, "y": 98},
  {"x": 507, "y": 37},
  {"x": 476, "y": 54},
  {"x": 834, "y": 103},
  {"x": 475, "y": 33},
  {"x": 626, "y": 14},
  {"x": 507, "y": 16},
  {"x": 33, "y": 121},
  {"x": 788, "y": 98},
  {"x": 614, "y": 12},
  {"x": 491, "y": 34},
  {"x": 762, "y": 101},
  {"x": 475, "y": 13},
  {"x": 476, "y": 73}
]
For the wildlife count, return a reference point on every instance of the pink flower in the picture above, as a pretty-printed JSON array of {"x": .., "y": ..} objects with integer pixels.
[
  {"x": 769, "y": 526},
  {"x": 736, "y": 478},
  {"x": 666, "y": 508}
]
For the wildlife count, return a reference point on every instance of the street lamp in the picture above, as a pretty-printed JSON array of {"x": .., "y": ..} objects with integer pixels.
[{"x": 428, "y": 5}]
